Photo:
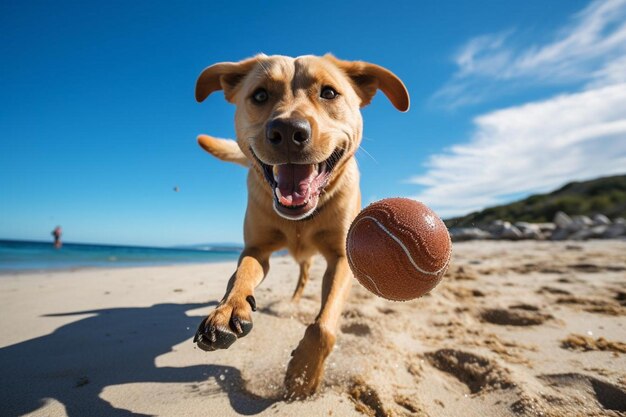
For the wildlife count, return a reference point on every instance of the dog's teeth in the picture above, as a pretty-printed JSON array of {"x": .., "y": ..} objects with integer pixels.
[
  {"x": 275, "y": 172},
  {"x": 278, "y": 194}
]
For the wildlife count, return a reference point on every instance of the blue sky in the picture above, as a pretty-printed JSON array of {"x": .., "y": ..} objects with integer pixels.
[{"x": 98, "y": 119}]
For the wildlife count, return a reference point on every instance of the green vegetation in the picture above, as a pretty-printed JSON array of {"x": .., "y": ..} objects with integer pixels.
[{"x": 603, "y": 195}]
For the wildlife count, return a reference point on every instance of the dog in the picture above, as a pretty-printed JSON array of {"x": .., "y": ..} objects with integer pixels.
[{"x": 298, "y": 126}]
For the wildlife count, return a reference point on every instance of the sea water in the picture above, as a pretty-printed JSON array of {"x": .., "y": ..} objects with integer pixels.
[{"x": 27, "y": 255}]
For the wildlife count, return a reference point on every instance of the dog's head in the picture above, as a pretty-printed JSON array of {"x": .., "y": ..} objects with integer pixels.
[{"x": 298, "y": 119}]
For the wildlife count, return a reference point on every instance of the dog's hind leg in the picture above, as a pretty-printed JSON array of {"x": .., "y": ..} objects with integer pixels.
[{"x": 302, "y": 280}]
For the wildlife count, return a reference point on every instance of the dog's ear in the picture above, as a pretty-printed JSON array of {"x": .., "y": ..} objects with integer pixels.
[
  {"x": 368, "y": 78},
  {"x": 223, "y": 76}
]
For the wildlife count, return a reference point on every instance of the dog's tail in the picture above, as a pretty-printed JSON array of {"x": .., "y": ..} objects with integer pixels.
[{"x": 224, "y": 149}]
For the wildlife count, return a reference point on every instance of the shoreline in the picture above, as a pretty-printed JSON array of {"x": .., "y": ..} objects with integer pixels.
[{"x": 20, "y": 272}]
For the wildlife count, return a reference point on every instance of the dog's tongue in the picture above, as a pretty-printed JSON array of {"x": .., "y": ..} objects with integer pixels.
[{"x": 294, "y": 183}]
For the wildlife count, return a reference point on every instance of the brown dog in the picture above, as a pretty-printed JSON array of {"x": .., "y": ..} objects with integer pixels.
[{"x": 298, "y": 126}]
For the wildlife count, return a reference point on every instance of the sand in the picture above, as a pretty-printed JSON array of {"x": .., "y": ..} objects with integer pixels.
[{"x": 515, "y": 329}]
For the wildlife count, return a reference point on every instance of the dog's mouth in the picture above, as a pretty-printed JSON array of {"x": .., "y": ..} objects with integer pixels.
[{"x": 297, "y": 187}]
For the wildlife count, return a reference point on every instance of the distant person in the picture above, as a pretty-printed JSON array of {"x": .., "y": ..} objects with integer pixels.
[{"x": 57, "y": 232}]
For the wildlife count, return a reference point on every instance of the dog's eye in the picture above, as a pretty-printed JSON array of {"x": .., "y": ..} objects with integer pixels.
[
  {"x": 260, "y": 96},
  {"x": 328, "y": 93}
]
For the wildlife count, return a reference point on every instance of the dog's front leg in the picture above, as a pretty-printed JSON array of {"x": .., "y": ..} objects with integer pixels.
[
  {"x": 232, "y": 318},
  {"x": 306, "y": 367}
]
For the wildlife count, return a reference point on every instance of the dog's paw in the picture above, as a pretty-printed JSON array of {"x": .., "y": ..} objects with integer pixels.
[
  {"x": 306, "y": 367},
  {"x": 228, "y": 322}
]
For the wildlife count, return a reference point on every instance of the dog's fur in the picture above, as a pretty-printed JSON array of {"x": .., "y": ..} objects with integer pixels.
[{"x": 293, "y": 88}]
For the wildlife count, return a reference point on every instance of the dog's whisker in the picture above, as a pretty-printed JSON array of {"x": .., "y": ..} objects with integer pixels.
[{"x": 362, "y": 148}]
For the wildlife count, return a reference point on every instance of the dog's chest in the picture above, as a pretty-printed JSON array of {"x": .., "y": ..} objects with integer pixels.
[{"x": 301, "y": 241}]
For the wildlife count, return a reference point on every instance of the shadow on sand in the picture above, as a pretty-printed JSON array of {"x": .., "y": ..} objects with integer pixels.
[{"x": 115, "y": 346}]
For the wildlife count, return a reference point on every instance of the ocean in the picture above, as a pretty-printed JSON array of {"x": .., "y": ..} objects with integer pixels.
[{"x": 26, "y": 255}]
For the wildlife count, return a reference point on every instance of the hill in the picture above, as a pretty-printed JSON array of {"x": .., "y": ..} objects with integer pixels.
[{"x": 605, "y": 195}]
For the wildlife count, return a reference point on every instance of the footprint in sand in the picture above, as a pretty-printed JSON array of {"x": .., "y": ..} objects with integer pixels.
[
  {"x": 477, "y": 372},
  {"x": 523, "y": 306},
  {"x": 512, "y": 316},
  {"x": 585, "y": 343},
  {"x": 552, "y": 290},
  {"x": 593, "y": 305},
  {"x": 540, "y": 267},
  {"x": 352, "y": 313},
  {"x": 463, "y": 293},
  {"x": 589, "y": 389},
  {"x": 366, "y": 399},
  {"x": 462, "y": 273},
  {"x": 304, "y": 312},
  {"x": 356, "y": 328},
  {"x": 409, "y": 404},
  {"x": 591, "y": 268},
  {"x": 386, "y": 310}
]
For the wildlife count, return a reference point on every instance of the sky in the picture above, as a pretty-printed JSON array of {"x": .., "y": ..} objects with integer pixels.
[{"x": 98, "y": 120}]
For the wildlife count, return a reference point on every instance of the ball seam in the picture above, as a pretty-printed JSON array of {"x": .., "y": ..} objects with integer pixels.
[
  {"x": 405, "y": 249},
  {"x": 422, "y": 246}
]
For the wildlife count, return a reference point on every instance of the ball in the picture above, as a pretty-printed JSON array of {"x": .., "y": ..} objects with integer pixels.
[{"x": 398, "y": 248}]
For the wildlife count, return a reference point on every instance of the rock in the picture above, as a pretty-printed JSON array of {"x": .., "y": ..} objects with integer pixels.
[
  {"x": 546, "y": 227},
  {"x": 584, "y": 221},
  {"x": 501, "y": 229},
  {"x": 562, "y": 220},
  {"x": 461, "y": 234},
  {"x": 533, "y": 234},
  {"x": 589, "y": 233},
  {"x": 579, "y": 223},
  {"x": 510, "y": 232},
  {"x": 525, "y": 225},
  {"x": 529, "y": 230},
  {"x": 497, "y": 226},
  {"x": 600, "y": 219},
  {"x": 564, "y": 227},
  {"x": 598, "y": 231},
  {"x": 560, "y": 234},
  {"x": 580, "y": 235},
  {"x": 615, "y": 230}
]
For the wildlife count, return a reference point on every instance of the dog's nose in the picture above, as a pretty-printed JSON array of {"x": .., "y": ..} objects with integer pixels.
[{"x": 297, "y": 130}]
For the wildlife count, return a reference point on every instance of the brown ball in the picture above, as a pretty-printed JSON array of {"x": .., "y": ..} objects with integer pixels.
[{"x": 398, "y": 248}]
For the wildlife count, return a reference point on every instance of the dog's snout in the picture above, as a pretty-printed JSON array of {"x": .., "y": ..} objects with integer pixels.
[{"x": 297, "y": 130}]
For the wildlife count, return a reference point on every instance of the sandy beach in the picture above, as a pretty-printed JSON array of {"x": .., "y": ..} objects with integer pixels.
[{"x": 515, "y": 329}]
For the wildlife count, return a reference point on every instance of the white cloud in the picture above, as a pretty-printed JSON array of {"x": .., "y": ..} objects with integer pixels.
[
  {"x": 530, "y": 148},
  {"x": 612, "y": 73},
  {"x": 537, "y": 146},
  {"x": 590, "y": 49}
]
